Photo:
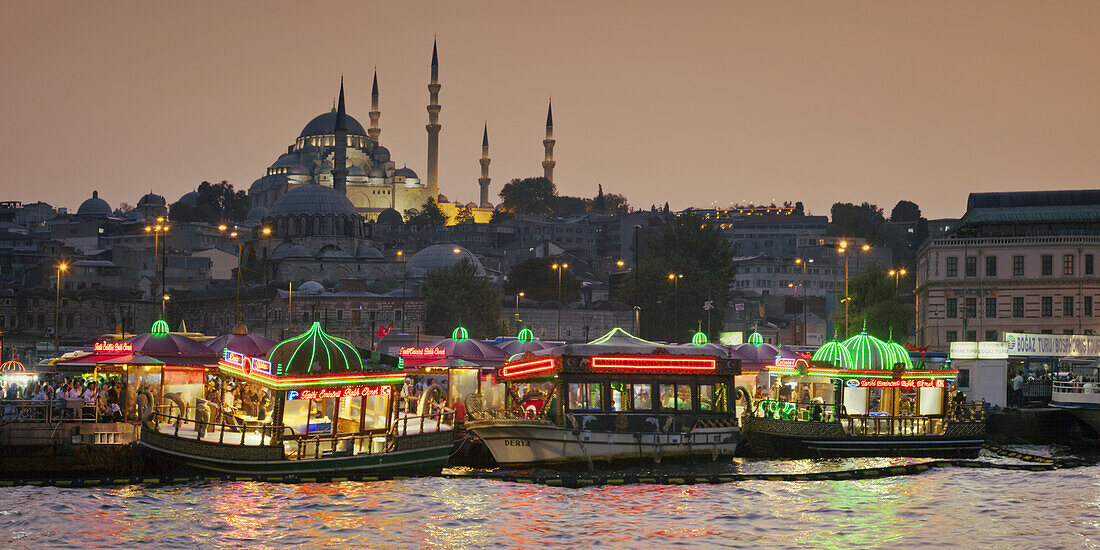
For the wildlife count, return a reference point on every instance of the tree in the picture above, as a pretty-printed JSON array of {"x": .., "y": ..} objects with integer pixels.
[
  {"x": 875, "y": 301},
  {"x": 457, "y": 296},
  {"x": 600, "y": 203},
  {"x": 905, "y": 211},
  {"x": 464, "y": 215},
  {"x": 429, "y": 215},
  {"x": 529, "y": 196},
  {"x": 701, "y": 253},
  {"x": 862, "y": 221},
  {"x": 217, "y": 202},
  {"x": 616, "y": 203},
  {"x": 566, "y": 206},
  {"x": 539, "y": 281},
  {"x": 501, "y": 215}
]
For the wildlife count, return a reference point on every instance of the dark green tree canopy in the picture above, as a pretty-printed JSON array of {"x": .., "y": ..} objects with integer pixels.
[
  {"x": 429, "y": 215},
  {"x": 905, "y": 211},
  {"x": 876, "y": 301},
  {"x": 687, "y": 246},
  {"x": 217, "y": 202},
  {"x": 457, "y": 296},
  {"x": 529, "y": 196},
  {"x": 538, "y": 281},
  {"x": 464, "y": 215}
]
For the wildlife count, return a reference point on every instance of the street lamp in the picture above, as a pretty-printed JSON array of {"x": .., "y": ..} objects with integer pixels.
[
  {"x": 518, "y": 296},
  {"x": 805, "y": 321},
  {"x": 161, "y": 226},
  {"x": 404, "y": 279},
  {"x": 847, "y": 298},
  {"x": 559, "y": 268},
  {"x": 233, "y": 234},
  {"x": 675, "y": 278},
  {"x": 897, "y": 274},
  {"x": 61, "y": 267},
  {"x": 164, "y": 306}
]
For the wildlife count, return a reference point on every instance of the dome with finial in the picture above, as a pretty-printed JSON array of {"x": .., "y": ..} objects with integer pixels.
[
  {"x": 12, "y": 366},
  {"x": 868, "y": 352},
  {"x": 834, "y": 354},
  {"x": 897, "y": 354},
  {"x": 240, "y": 341},
  {"x": 315, "y": 352},
  {"x": 756, "y": 338},
  {"x": 94, "y": 206},
  {"x": 324, "y": 124},
  {"x": 151, "y": 199},
  {"x": 525, "y": 341}
]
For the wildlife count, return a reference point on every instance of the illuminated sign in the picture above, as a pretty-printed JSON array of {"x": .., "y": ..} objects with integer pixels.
[
  {"x": 654, "y": 363},
  {"x": 1063, "y": 345},
  {"x": 911, "y": 383},
  {"x": 533, "y": 366},
  {"x": 992, "y": 350},
  {"x": 247, "y": 363},
  {"x": 853, "y": 383},
  {"x": 964, "y": 350},
  {"x": 422, "y": 353},
  {"x": 785, "y": 362},
  {"x": 114, "y": 347},
  {"x": 268, "y": 380},
  {"x": 338, "y": 393}
]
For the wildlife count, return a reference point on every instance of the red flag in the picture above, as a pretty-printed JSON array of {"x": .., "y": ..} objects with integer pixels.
[
  {"x": 912, "y": 347},
  {"x": 383, "y": 331}
]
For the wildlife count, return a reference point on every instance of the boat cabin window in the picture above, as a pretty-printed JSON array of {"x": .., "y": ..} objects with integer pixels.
[
  {"x": 643, "y": 397},
  {"x": 713, "y": 398},
  {"x": 585, "y": 396},
  {"x": 308, "y": 415},
  {"x": 676, "y": 396}
]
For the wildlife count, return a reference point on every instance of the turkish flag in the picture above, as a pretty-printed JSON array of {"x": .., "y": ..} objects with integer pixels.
[
  {"x": 912, "y": 347},
  {"x": 383, "y": 331}
]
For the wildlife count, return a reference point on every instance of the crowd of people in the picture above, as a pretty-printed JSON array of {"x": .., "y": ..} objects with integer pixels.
[
  {"x": 53, "y": 398},
  {"x": 239, "y": 399}
]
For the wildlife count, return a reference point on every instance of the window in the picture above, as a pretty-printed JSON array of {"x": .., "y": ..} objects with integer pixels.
[
  {"x": 971, "y": 336},
  {"x": 1048, "y": 264},
  {"x": 952, "y": 336},
  {"x": 952, "y": 267},
  {"x": 1088, "y": 306},
  {"x": 963, "y": 380},
  {"x": 585, "y": 396},
  {"x": 622, "y": 396},
  {"x": 643, "y": 397},
  {"x": 952, "y": 308},
  {"x": 990, "y": 307},
  {"x": 971, "y": 266},
  {"x": 990, "y": 336},
  {"x": 971, "y": 308},
  {"x": 1018, "y": 307},
  {"x": 1067, "y": 306},
  {"x": 1088, "y": 264},
  {"x": 1017, "y": 266},
  {"x": 676, "y": 396},
  {"x": 713, "y": 398},
  {"x": 990, "y": 266},
  {"x": 1048, "y": 306},
  {"x": 1067, "y": 264}
]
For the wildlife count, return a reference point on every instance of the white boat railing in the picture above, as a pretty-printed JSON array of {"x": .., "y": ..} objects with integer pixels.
[{"x": 1076, "y": 386}]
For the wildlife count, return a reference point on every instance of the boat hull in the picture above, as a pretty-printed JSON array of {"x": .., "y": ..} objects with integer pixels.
[
  {"x": 526, "y": 443},
  {"x": 422, "y": 454},
  {"x": 1083, "y": 405},
  {"x": 772, "y": 438}
]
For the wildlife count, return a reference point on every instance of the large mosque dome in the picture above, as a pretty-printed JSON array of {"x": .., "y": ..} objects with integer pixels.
[
  {"x": 439, "y": 256},
  {"x": 325, "y": 124},
  {"x": 94, "y": 206},
  {"x": 313, "y": 200}
]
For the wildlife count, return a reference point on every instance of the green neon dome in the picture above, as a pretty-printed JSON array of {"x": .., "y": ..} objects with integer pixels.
[
  {"x": 315, "y": 352},
  {"x": 525, "y": 335},
  {"x": 897, "y": 354},
  {"x": 756, "y": 338},
  {"x": 699, "y": 339},
  {"x": 835, "y": 354},
  {"x": 460, "y": 334},
  {"x": 160, "y": 328},
  {"x": 868, "y": 352}
]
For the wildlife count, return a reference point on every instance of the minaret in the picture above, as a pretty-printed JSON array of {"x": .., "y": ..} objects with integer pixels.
[
  {"x": 548, "y": 143},
  {"x": 340, "y": 156},
  {"x": 433, "y": 128},
  {"x": 375, "y": 114},
  {"x": 484, "y": 180}
]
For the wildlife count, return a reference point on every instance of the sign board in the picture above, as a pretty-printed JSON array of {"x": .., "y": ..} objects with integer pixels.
[
  {"x": 992, "y": 350},
  {"x": 120, "y": 348},
  {"x": 422, "y": 353},
  {"x": 731, "y": 338},
  {"x": 909, "y": 383},
  {"x": 1052, "y": 345},
  {"x": 964, "y": 350},
  {"x": 247, "y": 363},
  {"x": 338, "y": 393}
]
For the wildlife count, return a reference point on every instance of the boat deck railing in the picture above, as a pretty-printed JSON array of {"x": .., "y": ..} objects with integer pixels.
[
  {"x": 1076, "y": 386},
  {"x": 220, "y": 432},
  {"x": 872, "y": 423},
  {"x": 50, "y": 412}
]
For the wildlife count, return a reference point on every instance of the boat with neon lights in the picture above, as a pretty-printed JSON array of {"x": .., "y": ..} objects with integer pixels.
[
  {"x": 617, "y": 399},
  {"x": 316, "y": 405},
  {"x": 862, "y": 397}
]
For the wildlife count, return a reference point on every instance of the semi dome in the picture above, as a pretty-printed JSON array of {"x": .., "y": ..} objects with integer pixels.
[
  {"x": 868, "y": 352},
  {"x": 406, "y": 172},
  {"x": 315, "y": 352},
  {"x": 439, "y": 256},
  {"x": 356, "y": 171},
  {"x": 289, "y": 250},
  {"x": 377, "y": 172},
  {"x": 255, "y": 214},
  {"x": 313, "y": 199},
  {"x": 94, "y": 206},
  {"x": 835, "y": 354},
  {"x": 365, "y": 252},
  {"x": 324, "y": 124}
]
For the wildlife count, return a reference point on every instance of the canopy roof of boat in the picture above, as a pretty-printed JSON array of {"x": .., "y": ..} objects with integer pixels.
[{"x": 620, "y": 342}]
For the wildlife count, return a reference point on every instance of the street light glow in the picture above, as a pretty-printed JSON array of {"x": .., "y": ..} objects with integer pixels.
[
  {"x": 222, "y": 227},
  {"x": 63, "y": 266},
  {"x": 267, "y": 231}
]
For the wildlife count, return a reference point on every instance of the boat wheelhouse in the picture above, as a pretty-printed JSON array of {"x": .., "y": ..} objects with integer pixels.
[
  {"x": 862, "y": 397},
  {"x": 315, "y": 406},
  {"x": 616, "y": 399}
]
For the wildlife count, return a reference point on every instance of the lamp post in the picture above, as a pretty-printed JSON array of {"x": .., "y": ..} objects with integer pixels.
[
  {"x": 161, "y": 226},
  {"x": 404, "y": 280},
  {"x": 897, "y": 274},
  {"x": 805, "y": 321},
  {"x": 164, "y": 306},
  {"x": 842, "y": 249},
  {"x": 233, "y": 234},
  {"x": 559, "y": 268},
  {"x": 675, "y": 278},
  {"x": 518, "y": 296},
  {"x": 637, "y": 285},
  {"x": 61, "y": 267}
]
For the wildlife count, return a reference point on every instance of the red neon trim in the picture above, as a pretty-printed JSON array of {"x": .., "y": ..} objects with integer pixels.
[
  {"x": 654, "y": 363},
  {"x": 533, "y": 366},
  {"x": 312, "y": 378}
]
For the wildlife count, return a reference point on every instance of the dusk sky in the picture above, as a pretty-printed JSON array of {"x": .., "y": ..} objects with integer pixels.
[{"x": 694, "y": 103}]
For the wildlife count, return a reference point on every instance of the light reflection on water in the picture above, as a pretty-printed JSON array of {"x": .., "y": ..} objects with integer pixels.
[{"x": 942, "y": 508}]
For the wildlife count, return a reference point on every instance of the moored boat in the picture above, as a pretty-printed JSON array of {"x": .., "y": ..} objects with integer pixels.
[
  {"x": 613, "y": 400},
  {"x": 862, "y": 397},
  {"x": 314, "y": 407},
  {"x": 1078, "y": 391}
]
